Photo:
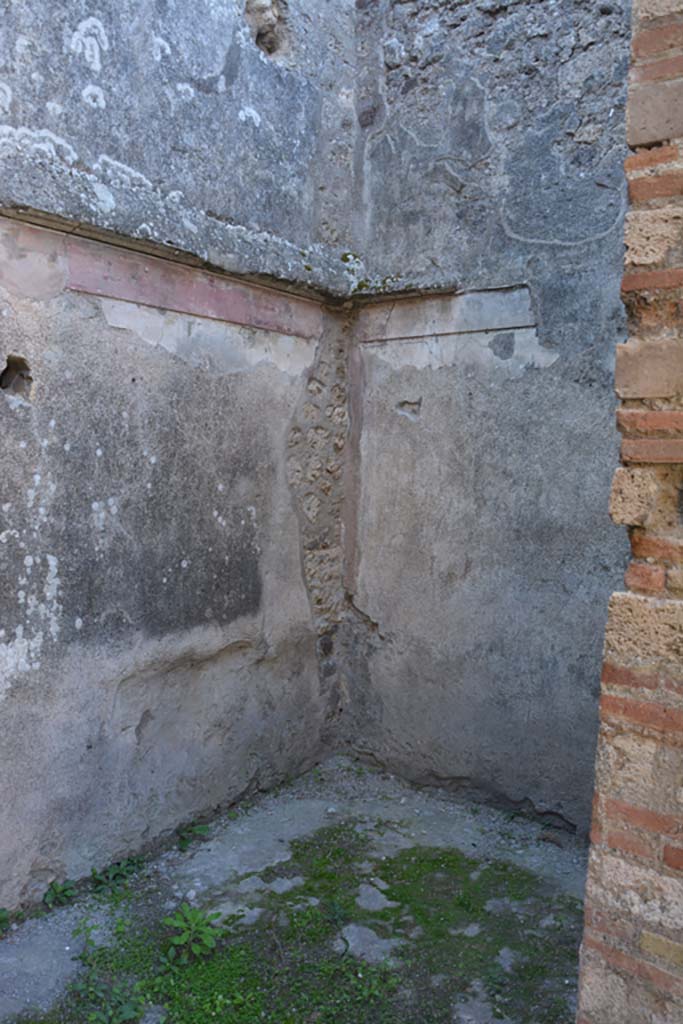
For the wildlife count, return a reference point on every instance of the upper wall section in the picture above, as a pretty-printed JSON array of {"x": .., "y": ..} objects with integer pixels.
[
  {"x": 167, "y": 122},
  {"x": 497, "y": 129},
  {"x": 382, "y": 144}
]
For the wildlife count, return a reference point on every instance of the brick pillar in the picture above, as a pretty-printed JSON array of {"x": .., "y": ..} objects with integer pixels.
[{"x": 632, "y": 954}]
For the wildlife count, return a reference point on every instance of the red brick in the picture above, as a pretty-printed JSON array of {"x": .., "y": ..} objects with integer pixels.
[
  {"x": 613, "y": 675},
  {"x": 659, "y": 70},
  {"x": 673, "y": 857},
  {"x": 645, "y": 546},
  {"x": 662, "y": 980},
  {"x": 658, "y": 186},
  {"x": 643, "y": 577},
  {"x": 640, "y": 421},
  {"x": 650, "y": 158},
  {"x": 673, "y": 686},
  {"x": 641, "y": 817},
  {"x": 654, "y": 450},
  {"x": 652, "y": 280},
  {"x": 647, "y": 713},
  {"x": 626, "y": 842},
  {"x": 653, "y": 41}
]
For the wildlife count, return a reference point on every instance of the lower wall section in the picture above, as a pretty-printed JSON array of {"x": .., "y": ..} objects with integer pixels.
[
  {"x": 485, "y": 555},
  {"x": 238, "y": 529},
  {"x": 157, "y": 652}
]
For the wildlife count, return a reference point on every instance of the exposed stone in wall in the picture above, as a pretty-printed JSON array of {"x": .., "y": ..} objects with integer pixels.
[
  {"x": 632, "y": 961},
  {"x": 315, "y": 469},
  {"x": 267, "y": 20}
]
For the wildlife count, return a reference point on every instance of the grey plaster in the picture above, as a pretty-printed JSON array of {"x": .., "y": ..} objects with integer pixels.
[
  {"x": 480, "y": 522},
  {"x": 424, "y": 575},
  {"x": 493, "y": 157}
]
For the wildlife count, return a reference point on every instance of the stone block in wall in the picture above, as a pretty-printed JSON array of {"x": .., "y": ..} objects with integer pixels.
[
  {"x": 634, "y": 492},
  {"x": 615, "y": 991},
  {"x": 645, "y": 10},
  {"x": 649, "y": 496},
  {"x": 635, "y": 891},
  {"x": 651, "y": 235},
  {"x": 645, "y": 629},
  {"x": 649, "y": 368},
  {"x": 638, "y": 770},
  {"x": 655, "y": 112}
]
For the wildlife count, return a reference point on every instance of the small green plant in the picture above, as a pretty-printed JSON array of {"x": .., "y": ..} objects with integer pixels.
[
  {"x": 86, "y": 929},
  {"x": 196, "y": 934},
  {"x": 108, "y": 1004},
  {"x": 4, "y": 920},
  {"x": 189, "y": 833},
  {"x": 122, "y": 926},
  {"x": 115, "y": 877},
  {"x": 59, "y": 893}
]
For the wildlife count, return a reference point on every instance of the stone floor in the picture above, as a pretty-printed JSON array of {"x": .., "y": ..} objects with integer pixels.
[{"x": 346, "y": 896}]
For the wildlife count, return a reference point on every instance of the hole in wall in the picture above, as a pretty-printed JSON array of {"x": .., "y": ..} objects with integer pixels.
[
  {"x": 411, "y": 409},
  {"x": 16, "y": 377},
  {"x": 266, "y": 18}
]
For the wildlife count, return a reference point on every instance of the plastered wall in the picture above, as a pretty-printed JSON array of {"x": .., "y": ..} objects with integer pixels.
[
  {"x": 157, "y": 646},
  {"x": 425, "y": 573}
]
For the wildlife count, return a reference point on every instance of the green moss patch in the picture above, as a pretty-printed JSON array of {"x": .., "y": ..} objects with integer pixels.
[{"x": 464, "y": 929}]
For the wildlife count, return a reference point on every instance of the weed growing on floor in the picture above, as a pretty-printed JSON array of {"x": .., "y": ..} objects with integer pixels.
[
  {"x": 102, "y": 1002},
  {"x": 59, "y": 893},
  {"x": 195, "y": 934},
  {"x": 115, "y": 877},
  {"x": 189, "y": 834}
]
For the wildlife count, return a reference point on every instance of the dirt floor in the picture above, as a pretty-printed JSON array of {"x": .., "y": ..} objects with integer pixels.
[{"x": 345, "y": 897}]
